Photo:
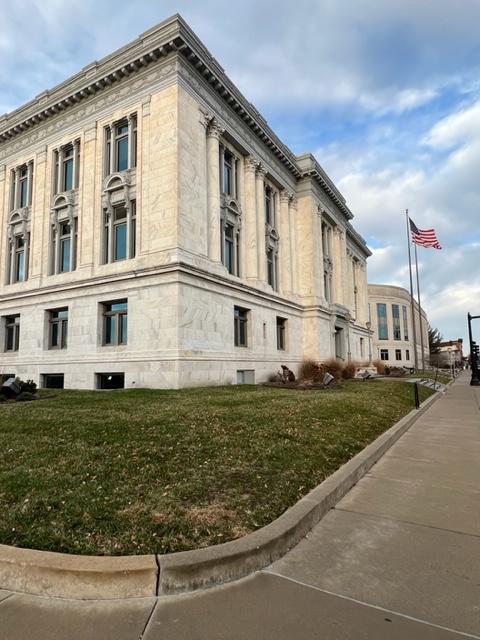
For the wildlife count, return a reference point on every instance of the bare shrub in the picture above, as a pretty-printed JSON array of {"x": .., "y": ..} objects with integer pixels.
[
  {"x": 334, "y": 368},
  {"x": 380, "y": 366},
  {"x": 311, "y": 370}
]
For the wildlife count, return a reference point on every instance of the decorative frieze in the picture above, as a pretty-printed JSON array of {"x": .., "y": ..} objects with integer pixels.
[{"x": 60, "y": 122}]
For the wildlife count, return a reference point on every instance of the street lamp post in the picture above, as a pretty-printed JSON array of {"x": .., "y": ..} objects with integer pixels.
[
  {"x": 369, "y": 326},
  {"x": 473, "y": 352},
  {"x": 348, "y": 317}
]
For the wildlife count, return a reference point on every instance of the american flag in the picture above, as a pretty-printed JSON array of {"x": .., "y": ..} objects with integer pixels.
[{"x": 424, "y": 237}]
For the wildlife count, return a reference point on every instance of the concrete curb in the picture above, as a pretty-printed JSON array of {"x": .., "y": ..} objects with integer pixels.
[{"x": 104, "y": 578}]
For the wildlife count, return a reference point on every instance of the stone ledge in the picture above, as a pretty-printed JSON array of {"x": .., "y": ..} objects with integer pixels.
[{"x": 105, "y": 578}]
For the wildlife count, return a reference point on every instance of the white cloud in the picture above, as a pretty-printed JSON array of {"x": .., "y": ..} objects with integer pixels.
[{"x": 386, "y": 92}]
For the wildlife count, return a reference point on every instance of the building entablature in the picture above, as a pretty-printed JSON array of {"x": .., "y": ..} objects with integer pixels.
[
  {"x": 358, "y": 242},
  {"x": 171, "y": 37},
  {"x": 311, "y": 169}
]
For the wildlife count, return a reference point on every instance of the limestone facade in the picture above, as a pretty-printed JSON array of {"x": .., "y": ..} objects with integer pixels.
[
  {"x": 394, "y": 341},
  {"x": 156, "y": 233}
]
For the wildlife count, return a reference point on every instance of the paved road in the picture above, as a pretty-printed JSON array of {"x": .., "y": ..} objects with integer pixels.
[{"x": 398, "y": 558}]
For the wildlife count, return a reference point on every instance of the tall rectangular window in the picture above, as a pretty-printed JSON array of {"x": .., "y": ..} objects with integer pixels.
[
  {"x": 230, "y": 232},
  {"x": 230, "y": 217},
  {"x": 120, "y": 232},
  {"x": 398, "y": 354},
  {"x": 272, "y": 275},
  {"x": 240, "y": 326},
  {"x": 23, "y": 195},
  {"x": 19, "y": 258},
  {"x": 12, "y": 333},
  {"x": 21, "y": 186},
  {"x": 281, "y": 333},
  {"x": 397, "y": 333},
  {"x": 115, "y": 322},
  {"x": 68, "y": 170},
  {"x": 405, "y": 323},
  {"x": 382, "y": 321},
  {"x": 66, "y": 164},
  {"x": 63, "y": 243},
  {"x": 229, "y": 173},
  {"x": 58, "y": 328},
  {"x": 272, "y": 237},
  {"x": 121, "y": 145},
  {"x": 270, "y": 206},
  {"x": 384, "y": 355},
  {"x": 18, "y": 252},
  {"x": 407, "y": 354}
]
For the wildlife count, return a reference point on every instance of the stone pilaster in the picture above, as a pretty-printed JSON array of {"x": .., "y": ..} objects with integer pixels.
[
  {"x": 214, "y": 132},
  {"x": 339, "y": 275},
  {"x": 250, "y": 226},
  {"x": 293, "y": 215},
  {"x": 285, "y": 250}
]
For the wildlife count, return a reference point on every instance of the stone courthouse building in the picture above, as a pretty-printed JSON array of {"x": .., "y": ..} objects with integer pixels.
[{"x": 156, "y": 233}]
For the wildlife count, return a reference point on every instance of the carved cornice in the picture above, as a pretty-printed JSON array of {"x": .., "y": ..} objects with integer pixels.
[
  {"x": 172, "y": 37},
  {"x": 357, "y": 239},
  {"x": 80, "y": 113}
]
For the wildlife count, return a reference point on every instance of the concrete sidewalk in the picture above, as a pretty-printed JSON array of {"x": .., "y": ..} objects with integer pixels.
[{"x": 397, "y": 558}]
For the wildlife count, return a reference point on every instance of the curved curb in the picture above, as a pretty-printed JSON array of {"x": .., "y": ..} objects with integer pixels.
[{"x": 58, "y": 575}]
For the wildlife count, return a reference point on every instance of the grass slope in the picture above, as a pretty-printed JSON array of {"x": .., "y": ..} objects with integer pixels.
[{"x": 148, "y": 471}]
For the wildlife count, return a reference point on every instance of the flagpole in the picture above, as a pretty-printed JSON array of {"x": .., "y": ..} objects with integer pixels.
[
  {"x": 419, "y": 312},
  {"x": 412, "y": 311}
]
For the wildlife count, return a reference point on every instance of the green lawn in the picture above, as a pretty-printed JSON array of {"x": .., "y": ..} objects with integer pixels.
[{"x": 146, "y": 471}]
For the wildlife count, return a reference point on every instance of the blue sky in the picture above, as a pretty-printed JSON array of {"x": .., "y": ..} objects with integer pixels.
[{"x": 386, "y": 94}]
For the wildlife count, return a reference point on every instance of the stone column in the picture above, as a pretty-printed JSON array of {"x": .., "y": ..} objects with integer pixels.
[
  {"x": 214, "y": 132},
  {"x": 60, "y": 156},
  {"x": 130, "y": 152},
  {"x": 261, "y": 236},
  {"x": 16, "y": 195},
  {"x": 285, "y": 255},
  {"x": 319, "y": 251},
  {"x": 111, "y": 167},
  {"x": 293, "y": 211},
  {"x": 338, "y": 266},
  {"x": 76, "y": 153},
  {"x": 362, "y": 293},
  {"x": 250, "y": 226},
  {"x": 349, "y": 279}
]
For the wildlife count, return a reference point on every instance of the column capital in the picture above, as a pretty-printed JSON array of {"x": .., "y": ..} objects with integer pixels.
[
  {"x": 214, "y": 129},
  {"x": 260, "y": 172},
  {"x": 285, "y": 196},
  {"x": 251, "y": 163}
]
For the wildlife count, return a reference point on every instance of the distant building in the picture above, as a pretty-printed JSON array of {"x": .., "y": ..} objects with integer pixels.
[
  {"x": 156, "y": 233},
  {"x": 451, "y": 354},
  {"x": 392, "y": 327}
]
